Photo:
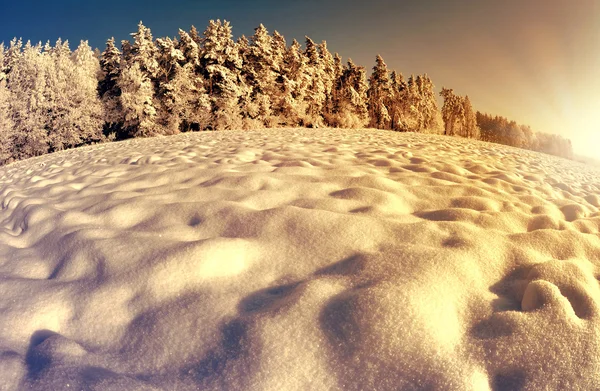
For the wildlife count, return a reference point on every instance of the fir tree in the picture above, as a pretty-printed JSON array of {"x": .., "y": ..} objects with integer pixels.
[
  {"x": 379, "y": 95},
  {"x": 108, "y": 89},
  {"x": 222, "y": 65}
]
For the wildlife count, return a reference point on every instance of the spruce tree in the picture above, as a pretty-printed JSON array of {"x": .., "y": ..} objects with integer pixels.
[
  {"x": 379, "y": 95},
  {"x": 315, "y": 89},
  {"x": 109, "y": 91},
  {"x": 222, "y": 65}
]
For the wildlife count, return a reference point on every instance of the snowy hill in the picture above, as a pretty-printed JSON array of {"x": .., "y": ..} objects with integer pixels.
[{"x": 299, "y": 259}]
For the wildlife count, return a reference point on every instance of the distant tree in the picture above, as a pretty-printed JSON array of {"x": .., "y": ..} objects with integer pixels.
[
  {"x": 470, "y": 128},
  {"x": 452, "y": 113}
]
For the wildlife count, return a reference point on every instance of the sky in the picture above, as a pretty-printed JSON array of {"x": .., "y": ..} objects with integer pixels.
[{"x": 533, "y": 61}]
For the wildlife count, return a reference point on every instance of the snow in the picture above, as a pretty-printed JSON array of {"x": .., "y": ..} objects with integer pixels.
[{"x": 294, "y": 259}]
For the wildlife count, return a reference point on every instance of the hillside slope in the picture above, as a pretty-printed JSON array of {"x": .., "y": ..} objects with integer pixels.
[{"x": 299, "y": 259}]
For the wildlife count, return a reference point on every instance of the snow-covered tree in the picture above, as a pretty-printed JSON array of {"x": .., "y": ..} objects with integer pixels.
[
  {"x": 143, "y": 51},
  {"x": 350, "y": 109},
  {"x": 221, "y": 64},
  {"x": 11, "y": 56},
  {"x": 182, "y": 102},
  {"x": 328, "y": 69},
  {"x": 452, "y": 112},
  {"x": 28, "y": 103},
  {"x": 139, "y": 113},
  {"x": 315, "y": 89},
  {"x": 432, "y": 118},
  {"x": 471, "y": 130},
  {"x": 458, "y": 115},
  {"x": 379, "y": 95},
  {"x": 6, "y": 122},
  {"x": 290, "y": 103},
  {"x": 108, "y": 88},
  {"x": 75, "y": 117}
]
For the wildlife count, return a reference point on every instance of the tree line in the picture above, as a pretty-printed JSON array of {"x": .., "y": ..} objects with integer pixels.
[{"x": 52, "y": 98}]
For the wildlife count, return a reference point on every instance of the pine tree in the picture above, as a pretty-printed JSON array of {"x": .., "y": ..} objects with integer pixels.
[
  {"x": 379, "y": 95},
  {"x": 168, "y": 59},
  {"x": 28, "y": 105},
  {"x": 471, "y": 130},
  {"x": 294, "y": 85},
  {"x": 328, "y": 65},
  {"x": 75, "y": 116},
  {"x": 398, "y": 100},
  {"x": 109, "y": 91},
  {"x": 6, "y": 123},
  {"x": 452, "y": 113},
  {"x": 313, "y": 80},
  {"x": 351, "y": 108},
  {"x": 278, "y": 50},
  {"x": 12, "y": 55},
  {"x": 432, "y": 119},
  {"x": 222, "y": 65},
  {"x": 261, "y": 77},
  {"x": 144, "y": 51},
  {"x": 136, "y": 100}
]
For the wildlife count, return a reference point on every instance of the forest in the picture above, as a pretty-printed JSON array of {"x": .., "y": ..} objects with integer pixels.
[{"x": 53, "y": 98}]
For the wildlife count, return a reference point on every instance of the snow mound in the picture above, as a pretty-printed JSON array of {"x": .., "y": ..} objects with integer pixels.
[{"x": 295, "y": 259}]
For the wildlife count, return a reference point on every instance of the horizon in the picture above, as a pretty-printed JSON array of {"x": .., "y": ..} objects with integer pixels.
[{"x": 541, "y": 54}]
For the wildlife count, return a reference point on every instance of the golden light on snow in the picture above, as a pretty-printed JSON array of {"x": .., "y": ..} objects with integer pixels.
[{"x": 294, "y": 259}]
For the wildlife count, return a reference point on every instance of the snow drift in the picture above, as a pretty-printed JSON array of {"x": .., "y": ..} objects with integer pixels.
[{"x": 299, "y": 259}]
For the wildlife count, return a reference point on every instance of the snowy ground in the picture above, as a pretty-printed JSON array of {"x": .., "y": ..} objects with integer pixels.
[{"x": 299, "y": 260}]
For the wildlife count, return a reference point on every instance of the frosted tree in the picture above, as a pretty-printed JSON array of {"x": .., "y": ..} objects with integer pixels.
[
  {"x": 28, "y": 104},
  {"x": 6, "y": 122},
  {"x": 195, "y": 36},
  {"x": 313, "y": 81},
  {"x": 399, "y": 105},
  {"x": 168, "y": 59},
  {"x": 183, "y": 103},
  {"x": 75, "y": 117},
  {"x": 221, "y": 64},
  {"x": 281, "y": 82},
  {"x": 460, "y": 120},
  {"x": 137, "y": 82},
  {"x": 108, "y": 89},
  {"x": 139, "y": 113},
  {"x": 261, "y": 76},
  {"x": 452, "y": 112},
  {"x": 12, "y": 55},
  {"x": 328, "y": 69},
  {"x": 432, "y": 119},
  {"x": 144, "y": 51},
  {"x": 471, "y": 130},
  {"x": 293, "y": 86},
  {"x": 350, "y": 110},
  {"x": 191, "y": 96},
  {"x": 379, "y": 95}
]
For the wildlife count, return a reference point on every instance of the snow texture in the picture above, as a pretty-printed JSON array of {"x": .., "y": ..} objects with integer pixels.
[{"x": 299, "y": 259}]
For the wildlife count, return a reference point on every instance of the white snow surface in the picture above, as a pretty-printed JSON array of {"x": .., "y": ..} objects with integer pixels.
[{"x": 296, "y": 259}]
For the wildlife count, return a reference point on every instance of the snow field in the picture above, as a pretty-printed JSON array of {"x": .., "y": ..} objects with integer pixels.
[{"x": 299, "y": 259}]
